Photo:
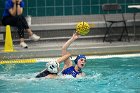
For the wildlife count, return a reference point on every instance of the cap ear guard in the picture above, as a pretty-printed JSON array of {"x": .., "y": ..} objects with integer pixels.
[
  {"x": 52, "y": 66},
  {"x": 79, "y": 57}
]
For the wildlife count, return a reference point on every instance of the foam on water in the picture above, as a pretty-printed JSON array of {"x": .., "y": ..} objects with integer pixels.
[{"x": 31, "y": 77}]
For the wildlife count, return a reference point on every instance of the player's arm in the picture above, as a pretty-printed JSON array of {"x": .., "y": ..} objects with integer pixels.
[
  {"x": 64, "y": 57},
  {"x": 68, "y": 62}
]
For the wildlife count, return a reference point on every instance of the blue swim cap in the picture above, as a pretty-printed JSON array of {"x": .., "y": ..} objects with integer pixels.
[{"x": 79, "y": 57}]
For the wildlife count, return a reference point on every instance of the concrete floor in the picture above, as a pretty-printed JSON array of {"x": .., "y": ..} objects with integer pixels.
[{"x": 87, "y": 46}]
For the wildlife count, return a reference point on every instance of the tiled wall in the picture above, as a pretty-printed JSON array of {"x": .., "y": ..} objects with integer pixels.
[{"x": 68, "y": 7}]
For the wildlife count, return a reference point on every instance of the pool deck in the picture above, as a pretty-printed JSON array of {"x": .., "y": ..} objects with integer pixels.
[{"x": 88, "y": 46}]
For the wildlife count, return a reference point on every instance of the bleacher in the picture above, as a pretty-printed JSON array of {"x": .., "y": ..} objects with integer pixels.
[{"x": 63, "y": 26}]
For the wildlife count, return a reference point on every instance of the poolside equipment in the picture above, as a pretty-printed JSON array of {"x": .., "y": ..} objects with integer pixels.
[
  {"x": 82, "y": 28},
  {"x": 114, "y": 20},
  {"x": 18, "y": 61},
  {"x": 24, "y": 61},
  {"x": 8, "y": 47}
]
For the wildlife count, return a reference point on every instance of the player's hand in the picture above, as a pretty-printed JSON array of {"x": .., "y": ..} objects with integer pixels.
[{"x": 75, "y": 36}]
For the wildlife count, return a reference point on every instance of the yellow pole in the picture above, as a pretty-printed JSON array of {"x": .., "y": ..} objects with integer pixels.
[{"x": 8, "y": 40}]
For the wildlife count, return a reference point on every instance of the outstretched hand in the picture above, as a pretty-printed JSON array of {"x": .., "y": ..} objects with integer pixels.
[{"x": 75, "y": 36}]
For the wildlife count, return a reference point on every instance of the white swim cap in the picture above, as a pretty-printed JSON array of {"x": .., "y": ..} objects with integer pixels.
[{"x": 52, "y": 66}]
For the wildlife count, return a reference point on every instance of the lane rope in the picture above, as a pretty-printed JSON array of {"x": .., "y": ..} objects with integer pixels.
[{"x": 35, "y": 60}]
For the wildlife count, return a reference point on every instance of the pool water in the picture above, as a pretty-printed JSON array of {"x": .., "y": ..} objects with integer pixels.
[{"x": 103, "y": 75}]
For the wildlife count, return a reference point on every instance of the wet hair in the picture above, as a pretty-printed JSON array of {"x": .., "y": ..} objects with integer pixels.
[
  {"x": 79, "y": 57},
  {"x": 44, "y": 73}
]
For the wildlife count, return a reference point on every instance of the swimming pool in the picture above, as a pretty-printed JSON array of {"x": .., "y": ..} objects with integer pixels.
[{"x": 113, "y": 74}]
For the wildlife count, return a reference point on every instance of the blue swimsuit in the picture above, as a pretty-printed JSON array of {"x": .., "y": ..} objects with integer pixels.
[{"x": 71, "y": 71}]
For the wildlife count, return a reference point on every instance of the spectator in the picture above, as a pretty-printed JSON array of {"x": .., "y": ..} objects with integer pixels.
[{"x": 13, "y": 16}]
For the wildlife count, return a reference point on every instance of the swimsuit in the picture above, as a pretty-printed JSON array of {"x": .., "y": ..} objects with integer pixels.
[{"x": 71, "y": 71}]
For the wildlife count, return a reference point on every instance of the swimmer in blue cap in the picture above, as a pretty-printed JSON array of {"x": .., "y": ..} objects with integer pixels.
[
  {"x": 75, "y": 71},
  {"x": 53, "y": 69},
  {"x": 80, "y": 60}
]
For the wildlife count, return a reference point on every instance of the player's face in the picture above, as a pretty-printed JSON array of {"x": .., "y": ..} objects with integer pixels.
[{"x": 81, "y": 62}]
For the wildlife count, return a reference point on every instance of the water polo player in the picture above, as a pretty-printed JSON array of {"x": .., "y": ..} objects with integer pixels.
[
  {"x": 52, "y": 69},
  {"x": 76, "y": 71},
  {"x": 80, "y": 60}
]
